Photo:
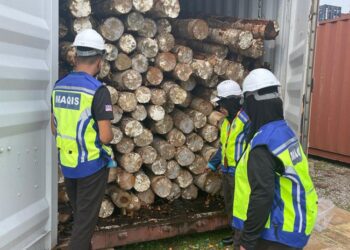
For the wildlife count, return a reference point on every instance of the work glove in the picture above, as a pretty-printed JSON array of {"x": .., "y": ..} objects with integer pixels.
[
  {"x": 112, "y": 164},
  {"x": 211, "y": 167}
]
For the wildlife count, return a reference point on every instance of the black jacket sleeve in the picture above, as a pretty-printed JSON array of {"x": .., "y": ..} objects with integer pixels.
[
  {"x": 102, "y": 108},
  {"x": 261, "y": 175}
]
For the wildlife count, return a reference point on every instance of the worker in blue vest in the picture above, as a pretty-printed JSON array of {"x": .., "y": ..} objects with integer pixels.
[
  {"x": 275, "y": 202},
  {"x": 81, "y": 122},
  {"x": 232, "y": 141}
]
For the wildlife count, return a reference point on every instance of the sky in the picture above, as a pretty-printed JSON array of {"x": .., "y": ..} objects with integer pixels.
[{"x": 345, "y": 4}]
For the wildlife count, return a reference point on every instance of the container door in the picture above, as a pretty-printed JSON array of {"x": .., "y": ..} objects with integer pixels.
[
  {"x": 299, "y": 64},
  {"x": 28, "y": 177}
]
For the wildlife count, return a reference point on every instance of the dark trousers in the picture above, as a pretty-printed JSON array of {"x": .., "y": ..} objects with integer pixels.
[
  {"x": 85, "y": 195},
  {"x": 228, "y": 186}
]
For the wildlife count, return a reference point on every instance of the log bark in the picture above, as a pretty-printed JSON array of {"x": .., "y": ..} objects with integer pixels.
[
  {"x": 216, "y": 118},
  {"x": 191, "y": 28},
  {"x": 208, "y": 182},
  {"x": 143, "y": 94},
  {"x": 62, "y": 195},
  {"x": 111, "y": 52},
  {"x": 147, "y": 197},
  {"x": 235, "y": 71},
  {"x": 163, "y": 26},
  {"x": 148, "y": 154},
  {"x": 166, "y": 41},
  {"x": 218, "y": 50},
  {"x": 107, "y": 208},
  {"x": 127, "y": 101},
  {"x": 142, "y": 182},
  {"x": 255, "y": 51},
  {"x": 127, "y": 43},
  {"x": 172, "y": 170},
  {"x": 166, "y": 61},
  {"x": 184, "y": 179},
  {"x": 155, "y": 112},
  {"x": 190, "y": 193},
  {"x": 194, "y": 142},
  {"x": 134, "y": 205},
  {"x": 201, "y": 105},
  {"x": 63, "y": 28},
  {"x": 175, "y": 192},
  {"x": 188, "y": 85},
  {"x": 67, "y": 53},
  {"x": 143, "y": 5},
  {"x": 126, "y": 145},
  {"x": 198, "y": 166},
  {"x": 164, "y": 126},
  {"x": 161, "y": 186},
  {"x": 154, "y": 76},
  {"x": 158, "y": 167},
  {"x": 149, "y": 29},
  {"x": 148, "y": 47},
  {"x": 111, "y": 29},
  {"x": 117, "y": 114},
  {"x": 202, "y": 69},
  {"x": 82, "y": 23},
  {"x": 198, "y": 118},
  {"x": 216, "y": 143},
  {"x": 183, "y": 54},
  {"x": 131, "y": 162},
  {"x": 182, "y": 121},
  {"x": 158, "y": 96},
  {"x": 114, "y": 94},
  {"x": 182, "y": 71},
  {"x": 169, "y": 107},
  {"x": 125, "y": 180},
  {"x": 211, "y": 82},
  {"x": 209, "y": 133},
  {"x": 233, "y": 37},
  {"x": 64, "y": 217},
  {"x": 79, "y": 8},
  {"x": 119, "y": 197},
  {"x": 123, "y": 62},
  {"x": 144, "y": 139},
  {"x": 175, "y": 93},
  {"x": 166, "y": 8},
  {"x": 134, "y": 21},
  {"x": 128, "y": 80},
  {"x": 112, "y": 7},
  {"x": 117, "y": 135},
  {"x": 105, "y": 70},
  {"x": 139, "y": 63},
  {"x": 131, "y": 127},
  {"x": 208, "y": 152},
  {"x": 176, "y": 137},
  {"x": 184, "y": 156},
  {"x": 140, "y": 113},
  {"x": 164, "y": 149}
]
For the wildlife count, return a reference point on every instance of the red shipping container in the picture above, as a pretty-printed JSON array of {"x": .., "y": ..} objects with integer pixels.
[{"x": 330, "y": 107}]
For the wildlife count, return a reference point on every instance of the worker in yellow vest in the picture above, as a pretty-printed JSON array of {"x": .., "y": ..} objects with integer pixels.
[
  {"x": 275, "y": 202},
  {"x": 80, "y": 121},
  {"x": 232, "y": 140}
]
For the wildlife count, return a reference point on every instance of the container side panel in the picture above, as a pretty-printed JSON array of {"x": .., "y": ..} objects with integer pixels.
[
  {"x": 28, "y": 66},
  {"x": 330, "y": 120}
]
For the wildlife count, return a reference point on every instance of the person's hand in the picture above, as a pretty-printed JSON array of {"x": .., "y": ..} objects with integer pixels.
[
  {"x": 242, "y": 248},
  {"x": 210, "y": 167}
]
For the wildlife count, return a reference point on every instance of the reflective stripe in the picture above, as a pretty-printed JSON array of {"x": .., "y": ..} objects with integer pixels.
[
  {"x": 284, "y": 146},
  {"x": 239, "y": 145},
  {"x": 78, "y": 89},
  {"x": 298, "y": 200},
  {"x": 83, "y": 118},
  {"x": 243, "y": 117},
  {"x": 66, "y": 137}
]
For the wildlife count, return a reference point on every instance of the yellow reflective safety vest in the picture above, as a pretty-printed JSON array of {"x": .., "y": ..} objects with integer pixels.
[
  {"x": 80, "y": 150},
  {"x": 294, "y": 209},
  {"x": 233, "y": 139}
]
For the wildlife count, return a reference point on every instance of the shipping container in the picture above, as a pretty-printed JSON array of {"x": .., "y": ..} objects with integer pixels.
[
  {"x": 29, "y": 68},
  {"x": 330, "y": 120}
]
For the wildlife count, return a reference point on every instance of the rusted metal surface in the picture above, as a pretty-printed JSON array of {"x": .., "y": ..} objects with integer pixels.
[
  {"x": 330, "y": 110},
  {"x": 158, "y": 229}
]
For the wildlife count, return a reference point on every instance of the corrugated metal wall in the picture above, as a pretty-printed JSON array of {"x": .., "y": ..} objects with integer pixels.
[{"x": 330, "y": 112}]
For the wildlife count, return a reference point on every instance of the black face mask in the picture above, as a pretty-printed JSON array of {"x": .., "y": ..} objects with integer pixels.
[
  {"x": 262, "y": 112},
  {"x": 232, "y": 105}
]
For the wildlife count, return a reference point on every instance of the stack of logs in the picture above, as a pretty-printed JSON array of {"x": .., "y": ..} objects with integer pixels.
[{"x": 161, "y": 73}]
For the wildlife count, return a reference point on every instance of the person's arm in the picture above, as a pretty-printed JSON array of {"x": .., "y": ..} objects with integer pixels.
[
  {"x": 102, "y": 112},
  {"x": 215, "y": 160},
  {"x": 261, "y": 176}
]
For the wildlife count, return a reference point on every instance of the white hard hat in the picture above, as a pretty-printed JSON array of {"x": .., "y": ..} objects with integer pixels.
[
  {"x": 227, "y": 88},
  {"x": 259, "y": 79},
  {"x": 89, "y": 38}
]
